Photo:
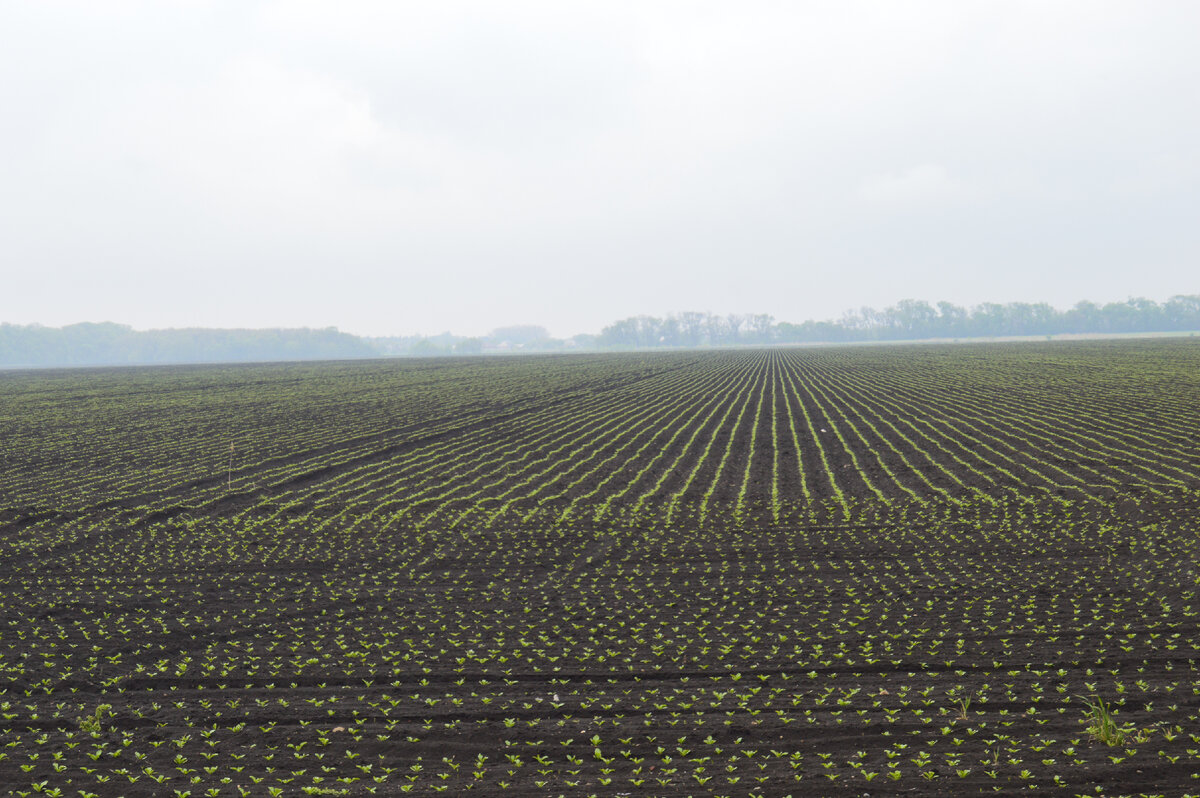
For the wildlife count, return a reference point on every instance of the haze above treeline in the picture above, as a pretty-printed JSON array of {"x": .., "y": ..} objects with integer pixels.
[{"x": 108, "y": 343}]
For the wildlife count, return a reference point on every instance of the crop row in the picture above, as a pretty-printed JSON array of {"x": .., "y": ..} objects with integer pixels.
[
  {"x": 887, "y": 570},
  {"x": 191, "y": 654},
  {"x": 772, "y": 433}
]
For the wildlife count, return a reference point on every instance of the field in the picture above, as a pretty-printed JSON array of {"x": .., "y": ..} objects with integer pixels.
[{"x": 925, "y": 570}]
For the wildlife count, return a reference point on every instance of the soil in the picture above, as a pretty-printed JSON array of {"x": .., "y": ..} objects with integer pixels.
[{"x": 163, "y": 633}]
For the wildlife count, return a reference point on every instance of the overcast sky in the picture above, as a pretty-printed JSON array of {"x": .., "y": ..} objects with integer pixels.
[{"x": 392, "y": 168}]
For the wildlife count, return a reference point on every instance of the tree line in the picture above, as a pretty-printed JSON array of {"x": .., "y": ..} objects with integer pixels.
[
  {"x": 91, "y": 344},
  {"x": 910, "y": 319},
  {"x": 108, "y": 344}
]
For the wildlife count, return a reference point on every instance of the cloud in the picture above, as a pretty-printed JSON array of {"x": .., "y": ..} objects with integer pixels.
[
  {"x": 396, "y": 167},
  {"x": 918, "y": 185}
]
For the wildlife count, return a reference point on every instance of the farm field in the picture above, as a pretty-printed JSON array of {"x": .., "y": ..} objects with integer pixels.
[{"x": 923, "y": 570}]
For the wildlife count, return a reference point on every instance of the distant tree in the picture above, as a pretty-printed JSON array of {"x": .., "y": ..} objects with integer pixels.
[
  {"x": 693, "y": 328},
  {"x": 622, "y": 333},
  {"x": 584, "y": 341},
  {"x": 951, "y": 319},
  {"x": 910, "y": 318},
  {"x": 109, "y": 344},
  {"x": 1181, "y": 313},
  {"x": 427, "y": 348},
  {"x": 756, "y": 328}
]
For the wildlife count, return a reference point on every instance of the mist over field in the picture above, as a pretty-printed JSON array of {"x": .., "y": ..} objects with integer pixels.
[
  {"x": 402, "y": 169},
  {"x": 909, "y": 320}
]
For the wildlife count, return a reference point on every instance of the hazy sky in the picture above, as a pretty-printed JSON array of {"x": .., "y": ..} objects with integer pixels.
[{"x": 392, "y": 168}]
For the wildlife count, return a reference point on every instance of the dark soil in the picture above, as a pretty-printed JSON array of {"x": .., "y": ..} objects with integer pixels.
[{"x": 297, "y": 624}]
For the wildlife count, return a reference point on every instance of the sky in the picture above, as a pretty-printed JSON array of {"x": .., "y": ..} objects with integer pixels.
[{"x": 392, "y": 168}]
